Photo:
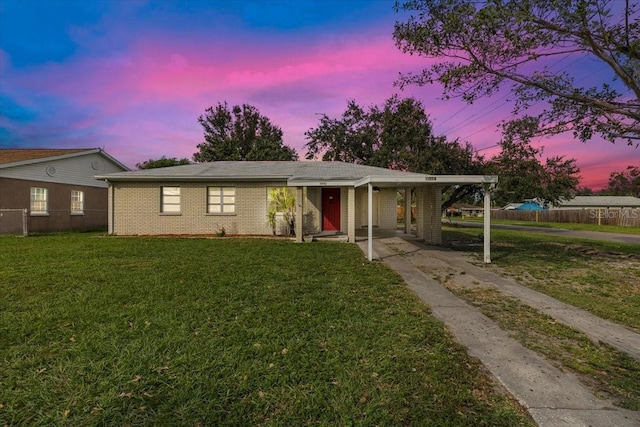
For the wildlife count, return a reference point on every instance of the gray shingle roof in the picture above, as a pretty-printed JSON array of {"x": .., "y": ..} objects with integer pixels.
[
  {"x": 22, "y": 156},
  {"x": 258, "y": 171},
  {"x": 602, "y": 201}
]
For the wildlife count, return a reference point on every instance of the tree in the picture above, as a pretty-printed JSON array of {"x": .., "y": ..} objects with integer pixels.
[
  {"x": 282, "y": 200},
  {"x": 162, "y": 162},
  {"x": 240, "y": 133},
  {"x": 584, "y": 191},
  {"x": 399, "y": 136},
  {"x": 625, "y": 183},
  {"x": 476, "y": 47},
  {"x": 523, "y": 176}
]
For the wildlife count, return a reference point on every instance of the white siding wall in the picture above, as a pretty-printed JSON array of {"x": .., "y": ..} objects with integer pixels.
[{"x": 79, "y": 170}]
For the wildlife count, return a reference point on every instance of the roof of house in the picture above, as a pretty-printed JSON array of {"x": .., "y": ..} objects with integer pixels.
[
  {"x": 602, "y": 201},
  {"x": 529, "y": 205},
  {"x": 294, "y": 172},
  {"x": 23, "y": 156}
]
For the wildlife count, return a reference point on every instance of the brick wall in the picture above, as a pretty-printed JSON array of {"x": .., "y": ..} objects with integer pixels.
[
  {"x": 16, "y": 194},
  {"x": 428, "y": 214},
  {"x": 137, "y": 210},
  {"x": 312, "y": 210},
  {"x": 387, "y": 201},
  {"x": 386, "y": 209}
]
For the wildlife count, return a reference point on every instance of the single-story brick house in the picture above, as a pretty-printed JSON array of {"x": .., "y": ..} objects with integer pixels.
[
  {"x": 54, "y": 189},
  {"x": 331, "y": 197}
]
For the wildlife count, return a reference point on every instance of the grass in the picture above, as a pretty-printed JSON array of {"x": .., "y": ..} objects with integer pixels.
[
  {"x": 561, "y": 225},
  {"x": 598, "y": 276},
  {"x": 601, "y": 277},
  {"x": 610, "y": 373},
  {"x": 153, "y": 331}
]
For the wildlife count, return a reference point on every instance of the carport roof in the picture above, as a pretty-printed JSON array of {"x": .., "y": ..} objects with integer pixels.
[{"x": 294, "y": 173}]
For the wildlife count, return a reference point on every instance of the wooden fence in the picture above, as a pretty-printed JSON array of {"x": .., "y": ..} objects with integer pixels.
[{"x": 622, "y": 217}]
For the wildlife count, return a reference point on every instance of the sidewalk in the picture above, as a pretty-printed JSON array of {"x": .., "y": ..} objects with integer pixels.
[{"x": 552, "y": 397}]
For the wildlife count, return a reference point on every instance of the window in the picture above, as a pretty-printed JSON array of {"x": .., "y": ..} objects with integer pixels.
[
  {"x": 170, "y": 200},
  {"x": 221, "y": 199},
  {"x": 77, "y": 202},
  {"x": 39, "y": 201}
]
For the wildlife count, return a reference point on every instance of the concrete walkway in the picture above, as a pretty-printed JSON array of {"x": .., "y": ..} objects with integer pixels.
[{"x": 552, "y": 397}]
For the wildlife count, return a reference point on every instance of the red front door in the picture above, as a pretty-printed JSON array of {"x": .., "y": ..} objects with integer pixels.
[{"x": 330, "y": 209}]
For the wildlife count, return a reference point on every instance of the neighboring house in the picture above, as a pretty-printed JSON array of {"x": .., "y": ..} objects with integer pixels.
[
  {"x": 465, "y": 210},
  {"x": 527, "y": 205},
  {"x": 600, "y": 202},
  {"x": 54, "y": 189},
  {"x": 331, "y": 197}
]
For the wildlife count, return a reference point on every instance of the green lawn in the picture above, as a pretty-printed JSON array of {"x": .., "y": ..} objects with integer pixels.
[
  {"x": 598, "y": 276},
  {"x": 610, "y": 373},
  {"x": 560, "y": 225},
  {"x": 159, "y": 331}
]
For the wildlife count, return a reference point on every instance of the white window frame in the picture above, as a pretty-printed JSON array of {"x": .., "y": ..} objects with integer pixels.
[
  {"x": 39, "y": 201},
  {"x": 77, "y": 202},
  {"x": 221, "y": 200},
  {"x": 170, "y": 200}
]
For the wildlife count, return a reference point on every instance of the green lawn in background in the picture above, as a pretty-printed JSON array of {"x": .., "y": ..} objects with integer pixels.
[
  {"x": 598, "y": 276},
  {"x": 165, "y": 331},
  {"x": 559, "y": 225}
]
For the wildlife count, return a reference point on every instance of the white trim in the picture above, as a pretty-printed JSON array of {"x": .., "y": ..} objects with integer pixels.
[
  {"x": 370, "y": 221},
  {"x": 487, "y": 224},
  {"x": 417, "y": 179},
  {"x": 310, "y": 182}
]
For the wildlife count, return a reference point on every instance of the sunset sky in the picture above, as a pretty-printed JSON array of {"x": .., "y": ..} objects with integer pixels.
[{"x": 133, "y": 76}]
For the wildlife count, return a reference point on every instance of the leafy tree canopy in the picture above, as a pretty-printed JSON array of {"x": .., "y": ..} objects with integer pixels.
[
  {"x": 476, "y": 47},
  {"x": 162, "y": 162},
  {"x": 522, "y": 175},
  {"x": 625, "y": 183},
  {"x": 240, "y": 133},
  {"x": 397, "y": 135}
]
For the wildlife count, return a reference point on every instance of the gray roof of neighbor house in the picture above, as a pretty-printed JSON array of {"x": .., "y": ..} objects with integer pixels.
[
  {"x": 23, "y": 156},
  {"x": 295, "y": 173},
  {"x": 602, "y": 201}
]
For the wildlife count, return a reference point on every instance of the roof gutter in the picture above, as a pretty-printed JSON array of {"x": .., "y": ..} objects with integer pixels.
[
  {"x": 427, "y": 179},
  {"x": 169, "y": 178}
]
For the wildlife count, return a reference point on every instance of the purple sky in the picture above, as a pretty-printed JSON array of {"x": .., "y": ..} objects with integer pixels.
[{"x": 133, "y": 76}]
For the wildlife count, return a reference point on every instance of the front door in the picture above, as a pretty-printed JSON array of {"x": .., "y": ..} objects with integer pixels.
[{"x": 330, "y": 209}]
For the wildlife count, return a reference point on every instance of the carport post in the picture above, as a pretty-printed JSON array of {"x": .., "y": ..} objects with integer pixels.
[
  {"x": 370, "y": 221},
  {"x": 487, "y": 224},
  {"x": 407, "y": 210},
  {"x": 299, "y": 226}
]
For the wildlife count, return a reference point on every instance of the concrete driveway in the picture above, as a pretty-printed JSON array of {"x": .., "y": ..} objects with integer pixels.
[{"x": 552, "y": 397}]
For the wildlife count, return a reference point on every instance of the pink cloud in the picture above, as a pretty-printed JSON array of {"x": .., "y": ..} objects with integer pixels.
[{"x": 141, "y": 99}]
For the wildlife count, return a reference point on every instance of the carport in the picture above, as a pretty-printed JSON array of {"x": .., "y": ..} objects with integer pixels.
[{"x": 428, "y": 191}]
